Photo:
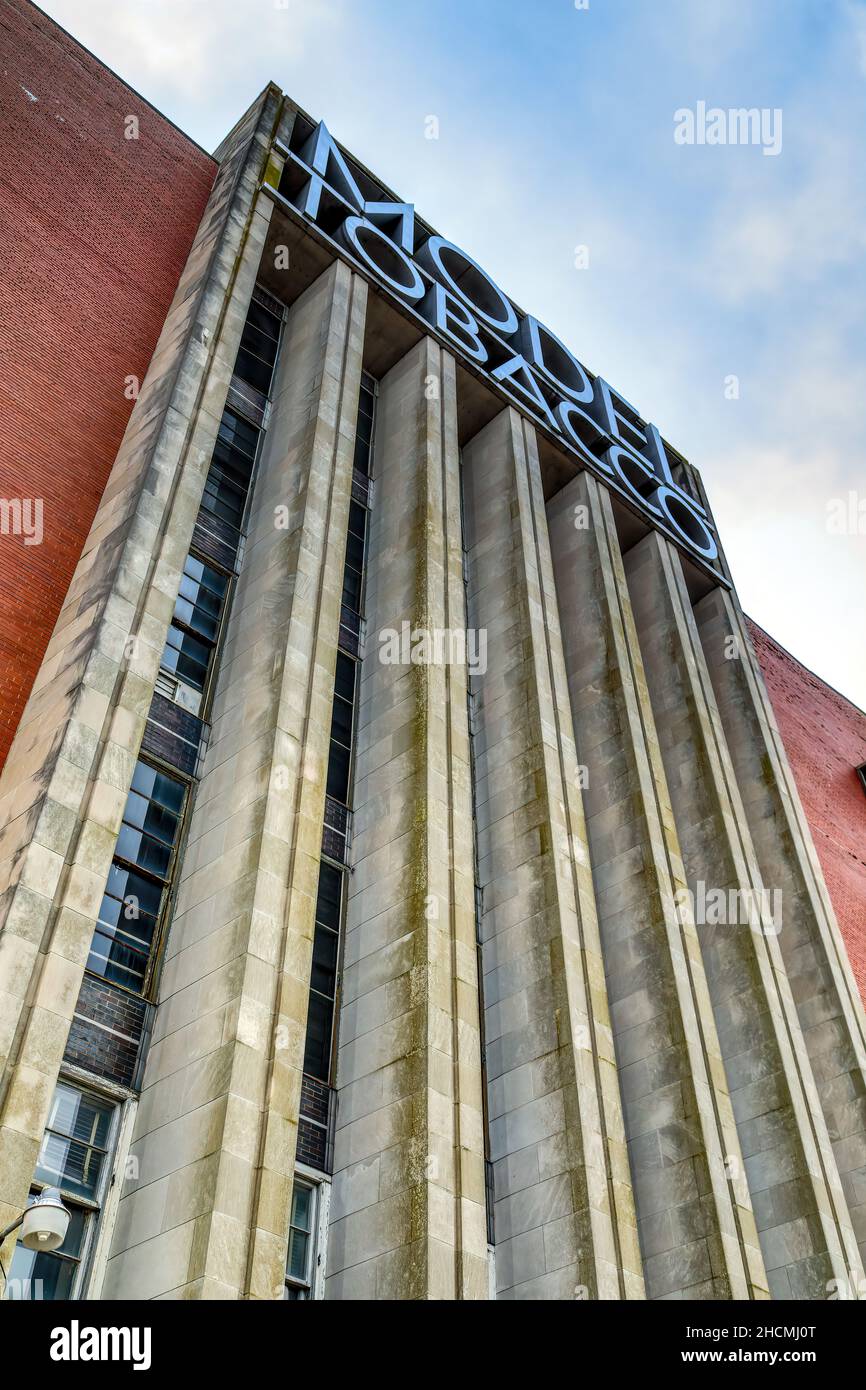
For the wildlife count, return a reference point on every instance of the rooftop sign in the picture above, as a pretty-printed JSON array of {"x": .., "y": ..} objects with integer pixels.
[{"x": 466, "y": 309}]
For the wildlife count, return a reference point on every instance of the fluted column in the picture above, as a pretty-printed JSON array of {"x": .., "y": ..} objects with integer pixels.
[
  {"x": 697, "y": 1230},
  {"x": 65, "y": 782},
  {"x": 207, "y": 1215},
  {"x": 825, "y": 994},
  {"x": 805, "y": 1231},
  {"x": 407, "y": 1210},
  {"x": 565, "y": 1222}
]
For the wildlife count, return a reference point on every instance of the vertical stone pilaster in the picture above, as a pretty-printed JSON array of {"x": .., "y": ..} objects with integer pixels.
[
  {"x": 407, "y": 1209},
  {"x": 208, "y": 1214},
  {"x": 696, "y": 1226},
  {"x": 825, "y": 994},
  {"x": 565, "y": 1221},
  {"x": 805, "y": 1232},
  {"x": 66, "y": 779}
]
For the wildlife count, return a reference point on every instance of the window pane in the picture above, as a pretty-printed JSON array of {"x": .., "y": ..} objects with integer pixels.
[
  {"x": 329, "y": 895},
  {"x": 38, "y": 1277},
  {"x": 237, "y": 433},
  {"x": 200, "y": 598},
  {"x": 302, "y": 1208},
  {"x": 263, "y": 319},
  {"x": 341, "y": 721},
  {"x": 187, "y": 657},
  {"x": 355, "y": 552},
  {"x": 338, "y": 773},
  {"x": 117, "y": 960},
  {"x": 344, "y": 680},
  {"x": 252, "y": 369},
  {"x": 298, "y": 1247},
  {"x": 352, "y": 587},
  {"x": 68, "y": 1164},
  {"x": 126, "y": 928},
  {"x": 324, "y": 972},
  {"x": 357, "y": 520},
  {"x": 143, "y": 850},
  {"x": 74, "y": 1163},
  {"x": 80, "y": 1115},
  {"x": 317, "y": 1054},
  {"x": 140, "y": 897}
]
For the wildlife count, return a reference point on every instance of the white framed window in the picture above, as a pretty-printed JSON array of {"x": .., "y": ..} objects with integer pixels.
[
  {"x": 305, "y": 1271},
  {"x": 76, "y": 1156}
]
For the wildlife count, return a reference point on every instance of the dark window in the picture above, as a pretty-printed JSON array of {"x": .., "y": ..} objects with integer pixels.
[
  {"x": 339, "y": 762},
  {"x": 200, "y": 598},
  {"x": 323, "y": 982},
  {"x": 126, "y": 929},
  {"x": 258, "y": 350},
  {"x": 195, "y": 625},
  {"x": 364, "y": 429},
  {"x": 354, "y": 567},
  {"x": 228, "y": 479}
]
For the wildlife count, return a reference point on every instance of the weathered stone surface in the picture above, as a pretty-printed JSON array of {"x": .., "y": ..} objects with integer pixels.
[
  {"x": 788, "y": 1158},
  {"x": 565, "y": 1220},
  {"x": 407, "y": 1213},
  {"x": 65, "y": 782},
  {"x": 219, "y": 1109},
  {"x": 678, "y": 1117}
]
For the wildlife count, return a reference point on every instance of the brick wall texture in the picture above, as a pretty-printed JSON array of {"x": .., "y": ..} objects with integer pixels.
[
  {"x": 95, "y": 230},
  {"x": 825, "y": 738}
]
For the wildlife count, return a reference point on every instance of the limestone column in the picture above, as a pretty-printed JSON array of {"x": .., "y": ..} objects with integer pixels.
[
  {"x": 66, "y": 779},
  {"x": 564, "y": 1211},
  {"x": 696, "y": 1226},
  {"x": 208, "y": 1214},
  {"x": 805, "y": 1232},
  {"x": 407, "y": 1209},
  {"x": 822, "y": 985}
]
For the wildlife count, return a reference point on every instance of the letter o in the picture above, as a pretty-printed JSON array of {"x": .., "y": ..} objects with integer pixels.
[
  {"x": 432, "y": 255},
  {"x": 694, "y": 530},
  {"x": 352, "y": 229}
]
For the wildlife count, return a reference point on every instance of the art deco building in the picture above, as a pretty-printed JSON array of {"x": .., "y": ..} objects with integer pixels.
[{"x": 405, "y": 890}]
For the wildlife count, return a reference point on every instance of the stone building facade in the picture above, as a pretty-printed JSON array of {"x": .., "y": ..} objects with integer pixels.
[{"x": 405, "y": 890}]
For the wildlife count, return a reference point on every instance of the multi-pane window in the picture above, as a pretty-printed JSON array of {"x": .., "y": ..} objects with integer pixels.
[
  {"x": 126, "y": 932},
  {"x": 364, "y": 428},
  {"x": 194, "y": 627},
  {"x": 228, "y": 479},
  {"x": 74, "y": 1156},
  {"x": 353, "y": 572},
  {"x": 301, "y": 1262},
  {"x": 258, "y": 349},
  {"x": 342, "y": 718},
  {"x": 323, "y": 980}
]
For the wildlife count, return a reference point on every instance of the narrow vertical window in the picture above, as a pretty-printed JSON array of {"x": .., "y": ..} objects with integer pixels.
[
  {"x": 75, "y": 1155},
  {"x": 303, "y": 1255},
  {"x": 126, "y": 938}
]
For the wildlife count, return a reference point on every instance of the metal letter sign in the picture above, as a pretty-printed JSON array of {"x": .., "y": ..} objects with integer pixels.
[{"x": 457, "y": 299}]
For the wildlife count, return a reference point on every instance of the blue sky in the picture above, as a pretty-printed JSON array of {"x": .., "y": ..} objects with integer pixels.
[{"x": 556, "y": 131}]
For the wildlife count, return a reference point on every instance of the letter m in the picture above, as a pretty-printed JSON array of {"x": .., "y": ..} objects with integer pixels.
[
  {"x": 745, "y": 126},
  {"x": 329, "y": 168}
]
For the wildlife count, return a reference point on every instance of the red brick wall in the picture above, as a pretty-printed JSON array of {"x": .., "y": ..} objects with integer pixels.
[
  {"x": 825, "y": 737},
  {"x": 95, "y": 230}
]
